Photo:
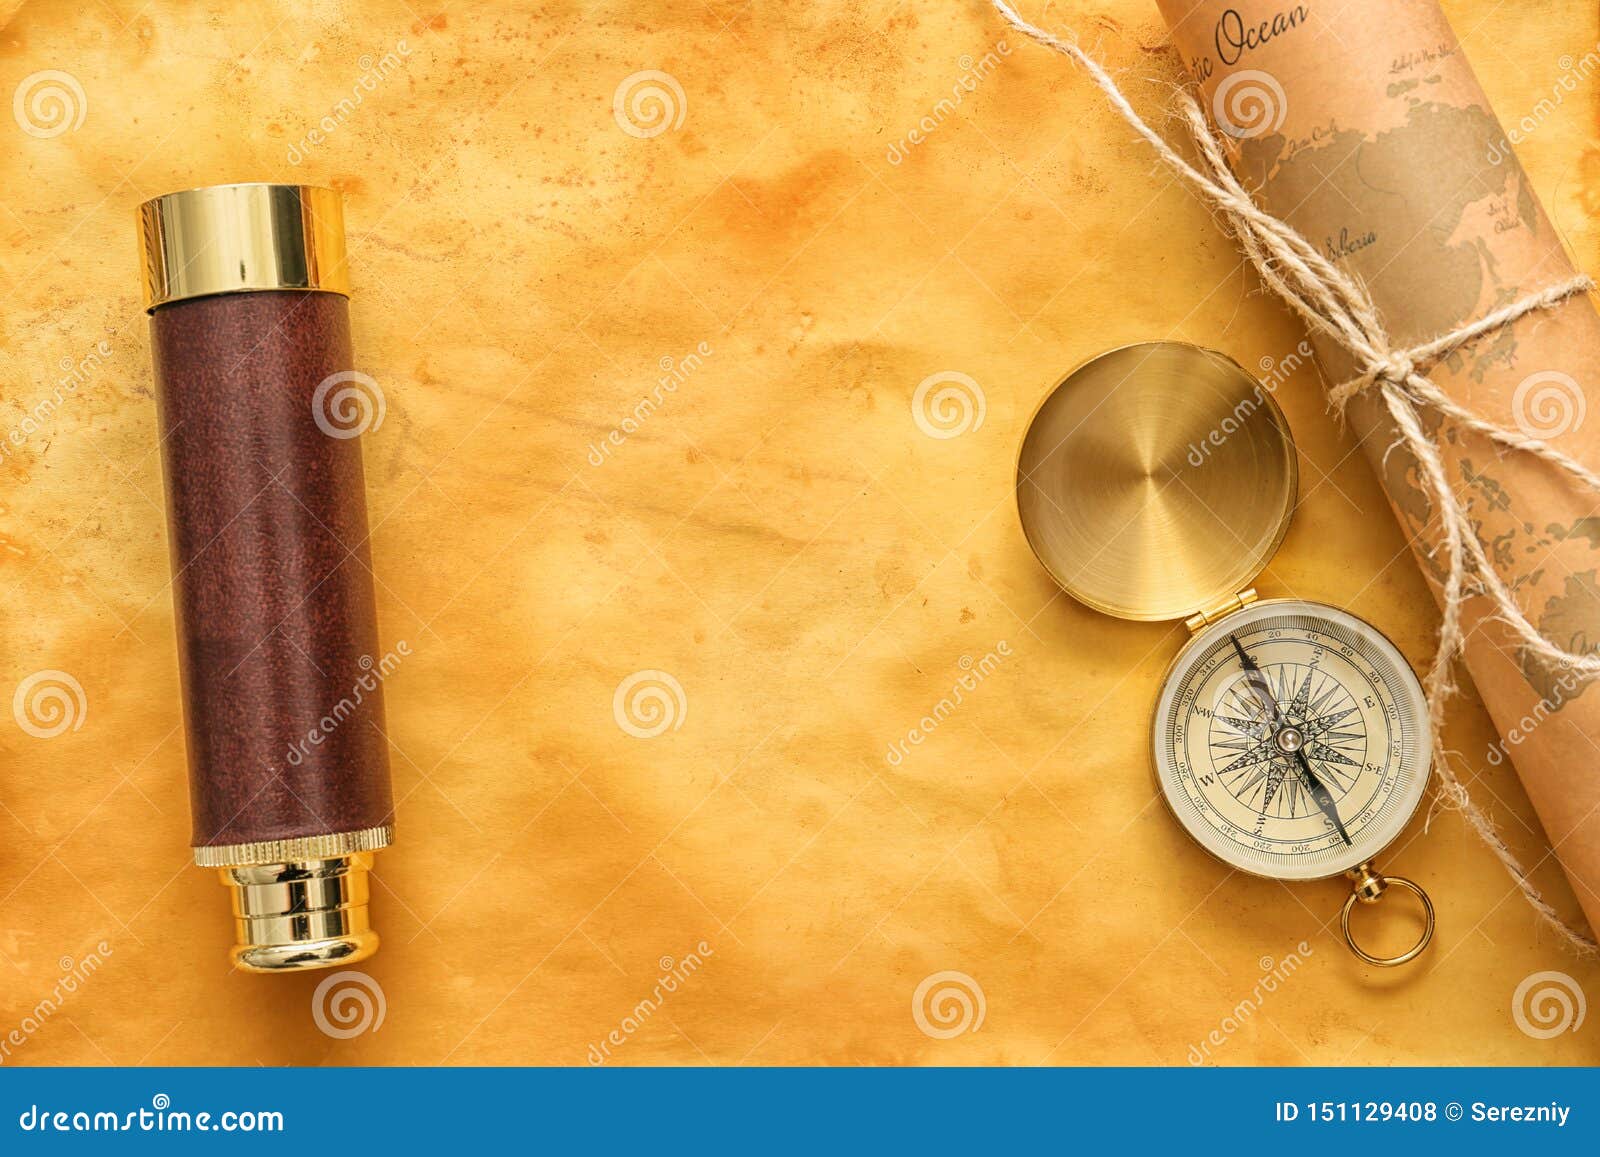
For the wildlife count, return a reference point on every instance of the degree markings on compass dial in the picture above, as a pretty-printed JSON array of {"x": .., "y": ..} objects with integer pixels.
[{"x": 1358, "y": 710}]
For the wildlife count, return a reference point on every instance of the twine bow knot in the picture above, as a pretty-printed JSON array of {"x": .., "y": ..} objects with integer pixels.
[{"x": 1394, "y": 368}]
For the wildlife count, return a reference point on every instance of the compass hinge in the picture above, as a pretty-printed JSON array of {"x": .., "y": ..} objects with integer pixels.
[{"x": 1226, "y": 607}]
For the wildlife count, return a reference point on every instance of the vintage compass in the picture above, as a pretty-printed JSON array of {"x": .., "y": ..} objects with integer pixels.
[{"x": 1290, "y": 738}]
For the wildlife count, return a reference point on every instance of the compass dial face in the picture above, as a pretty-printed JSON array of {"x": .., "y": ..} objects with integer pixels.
[{"x": 1300, "y": 758}]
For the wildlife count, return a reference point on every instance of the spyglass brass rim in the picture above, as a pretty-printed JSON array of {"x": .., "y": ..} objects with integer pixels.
[
  {"x": 241, "y": 238},
  {"x": 294, "y": 848},
  {"x": 1155, "y": 480},
  {"x": 301, "y": 913}
]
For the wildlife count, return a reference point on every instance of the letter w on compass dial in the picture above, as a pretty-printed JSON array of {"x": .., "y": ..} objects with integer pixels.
[{"x": 1248, "y": 750}]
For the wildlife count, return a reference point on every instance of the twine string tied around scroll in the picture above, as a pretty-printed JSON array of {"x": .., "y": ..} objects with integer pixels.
[{"x": 1336, "y": 305}]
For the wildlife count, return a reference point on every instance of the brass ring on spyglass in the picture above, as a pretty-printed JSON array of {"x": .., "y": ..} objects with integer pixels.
[{"x": 1370, "y": 885}]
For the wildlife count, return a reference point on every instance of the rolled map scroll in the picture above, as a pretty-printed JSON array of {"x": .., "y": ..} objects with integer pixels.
[{"x": 1361, "y": 124}]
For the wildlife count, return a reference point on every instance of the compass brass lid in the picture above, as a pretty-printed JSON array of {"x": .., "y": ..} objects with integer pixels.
[{"x": 1156, "y": 480}]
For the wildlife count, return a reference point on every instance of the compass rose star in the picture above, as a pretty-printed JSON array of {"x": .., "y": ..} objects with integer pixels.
[
  {"x": 1254, "y": 728},
  {"x": 1258, "y": 753},
  {"x": 1317, "y": 726},
  {"x": 1275, "y": 772},
  {"x": 1299, "y": 706},
  {"x": 1244, "y": 740}
]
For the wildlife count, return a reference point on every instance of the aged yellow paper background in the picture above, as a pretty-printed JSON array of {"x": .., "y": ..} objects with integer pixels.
[{"x": 780, "y": 535}]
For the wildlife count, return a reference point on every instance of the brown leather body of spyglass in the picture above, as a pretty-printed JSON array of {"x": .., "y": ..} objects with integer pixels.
[{"x": 278, "y": 649}]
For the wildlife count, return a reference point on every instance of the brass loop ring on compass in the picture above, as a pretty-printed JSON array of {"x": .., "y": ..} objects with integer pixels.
[{"x": 1370, "y": 887}]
